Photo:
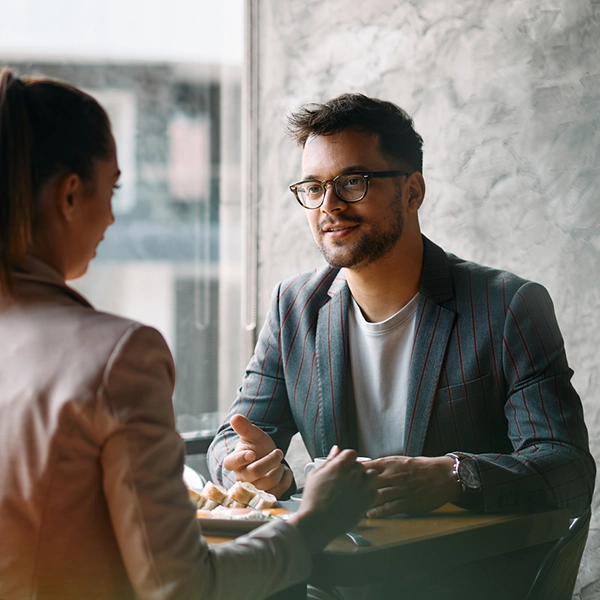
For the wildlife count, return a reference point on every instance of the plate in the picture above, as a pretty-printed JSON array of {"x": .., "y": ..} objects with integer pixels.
[
  {"x": 235, "y": 527},
  {"x": 229, "y": 527}
]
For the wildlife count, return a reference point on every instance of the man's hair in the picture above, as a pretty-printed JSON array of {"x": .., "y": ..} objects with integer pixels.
[{"x": 397, "y": 136}]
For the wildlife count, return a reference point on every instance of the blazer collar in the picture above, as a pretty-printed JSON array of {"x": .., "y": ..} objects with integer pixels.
[
  {"x": 436, "y": 279},
  {"x": 37, "y": 271},
  {"x": 338, "y": 284}
]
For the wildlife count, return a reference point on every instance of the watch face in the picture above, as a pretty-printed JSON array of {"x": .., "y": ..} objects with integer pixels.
[{"x": 468, "y": 473}]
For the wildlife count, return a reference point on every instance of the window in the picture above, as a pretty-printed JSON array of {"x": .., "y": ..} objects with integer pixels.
[{"x": 169, "y": 75}]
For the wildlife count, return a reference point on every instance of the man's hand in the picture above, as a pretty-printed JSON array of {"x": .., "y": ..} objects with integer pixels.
[
  {"x": 337, "y": 494},
  {"x": 412, "y": 485},
  {"x": 257, "y": 460}
]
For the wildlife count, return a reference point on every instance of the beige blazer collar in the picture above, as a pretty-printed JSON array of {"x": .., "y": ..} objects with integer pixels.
[{"x": 38, "y": 271}]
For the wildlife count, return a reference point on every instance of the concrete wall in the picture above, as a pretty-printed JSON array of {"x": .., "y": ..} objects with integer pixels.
[{"x": 506, "y": 94}]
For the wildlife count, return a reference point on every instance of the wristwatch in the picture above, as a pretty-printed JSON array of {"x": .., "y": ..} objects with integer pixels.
[{"x": 466, "y": 472}]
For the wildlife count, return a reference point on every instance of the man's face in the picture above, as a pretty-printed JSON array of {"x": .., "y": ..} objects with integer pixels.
[{"x": 353, "y": 235}]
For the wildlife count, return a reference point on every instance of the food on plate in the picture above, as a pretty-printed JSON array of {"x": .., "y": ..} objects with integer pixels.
[
  {"x": 241, "y": 501},
  {"x": 204, "y": 514},
  {"x": 212, "y": 496},
  {"x": 244, "y": 494},
  {"x": 241, "y": 494},
  {"x": 263, "y": 500},
  {"x": 194, "y": 496}
]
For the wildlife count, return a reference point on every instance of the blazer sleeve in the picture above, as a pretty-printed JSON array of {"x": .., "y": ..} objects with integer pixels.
[
  {"x": 551, "y": 466},
  {"x": 262, "y": 398},
  {"x": 154, "y": 521}
]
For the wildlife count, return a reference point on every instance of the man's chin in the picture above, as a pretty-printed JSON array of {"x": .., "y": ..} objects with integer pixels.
[
  {"x": 356, "y": 260},
  {"x": 340, "y": 261}
]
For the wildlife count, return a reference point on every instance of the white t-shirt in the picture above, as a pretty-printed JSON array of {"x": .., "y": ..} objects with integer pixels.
[{"x": 380, "y": 360}]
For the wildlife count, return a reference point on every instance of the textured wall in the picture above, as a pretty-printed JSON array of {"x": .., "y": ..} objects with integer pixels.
[{"x": 506, "y": 94}]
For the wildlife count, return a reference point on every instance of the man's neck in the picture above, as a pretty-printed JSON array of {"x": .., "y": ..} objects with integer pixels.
[{"x": 382, "y": 288}]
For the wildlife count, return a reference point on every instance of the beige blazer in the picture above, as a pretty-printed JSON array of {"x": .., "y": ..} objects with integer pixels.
[{"x": 92, "y": 503}]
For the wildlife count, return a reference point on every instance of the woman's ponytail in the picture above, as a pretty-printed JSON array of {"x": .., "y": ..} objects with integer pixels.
[{"x": 16, "y": 198}]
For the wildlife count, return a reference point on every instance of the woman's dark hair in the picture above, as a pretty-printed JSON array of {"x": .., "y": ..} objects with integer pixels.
[
  {"x": 397, "y": 136},
  {"x": 47, "y": 128}
]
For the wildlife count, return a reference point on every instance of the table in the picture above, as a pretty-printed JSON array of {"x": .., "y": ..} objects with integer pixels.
[
  {"x": 448, "y": 536},
  {"x": 445, "y": 537}
]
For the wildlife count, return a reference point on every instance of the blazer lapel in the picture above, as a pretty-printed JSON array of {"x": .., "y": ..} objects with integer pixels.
[
  {"x": 434, "y": 324},
  {"x": 332, "y": 350}
]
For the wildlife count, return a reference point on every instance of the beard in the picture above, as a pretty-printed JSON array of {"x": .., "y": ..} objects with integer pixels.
[{"x": 372, "y": 246}]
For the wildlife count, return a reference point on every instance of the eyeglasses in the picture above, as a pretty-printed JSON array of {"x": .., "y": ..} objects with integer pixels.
[{"x": 352, "y": 187}]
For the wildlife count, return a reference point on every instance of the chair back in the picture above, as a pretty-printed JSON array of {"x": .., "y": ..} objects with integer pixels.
[{"x": 556, "y": 577}]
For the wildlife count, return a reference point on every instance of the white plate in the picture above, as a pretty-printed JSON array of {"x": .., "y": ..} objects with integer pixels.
[
  {"x": 229, "y": 527},
  {"x": 193, "y": 479},
  {"x": 233, "y": 527}
]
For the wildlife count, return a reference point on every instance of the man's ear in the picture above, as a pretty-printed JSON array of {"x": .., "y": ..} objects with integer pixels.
[
  {"x": 416, "y": 191},
  {"x": 69, "y": 192}
]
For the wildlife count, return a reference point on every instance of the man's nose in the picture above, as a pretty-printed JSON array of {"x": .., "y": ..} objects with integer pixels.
[{"x": 331, "y": 202}]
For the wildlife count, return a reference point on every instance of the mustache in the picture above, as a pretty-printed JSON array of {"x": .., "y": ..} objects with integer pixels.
[{"x": 329, "y": 221}]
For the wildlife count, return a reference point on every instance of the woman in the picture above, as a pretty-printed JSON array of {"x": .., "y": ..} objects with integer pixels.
[{"x": 92, "y": 503}]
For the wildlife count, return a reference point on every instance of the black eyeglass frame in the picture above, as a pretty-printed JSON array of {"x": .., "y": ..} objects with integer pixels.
[{"x": 367, "y": 175}]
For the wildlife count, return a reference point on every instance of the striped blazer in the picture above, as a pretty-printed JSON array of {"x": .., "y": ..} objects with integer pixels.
[{"x": 488, "y": 377}]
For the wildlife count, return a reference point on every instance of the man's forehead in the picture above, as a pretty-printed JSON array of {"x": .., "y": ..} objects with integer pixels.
[{"x": 346, "y": 150}]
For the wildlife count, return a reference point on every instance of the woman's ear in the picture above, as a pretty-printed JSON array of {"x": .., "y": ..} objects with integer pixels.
[
  {"x": 416, "y": 191},
  {"x": 69, "y": 194}
]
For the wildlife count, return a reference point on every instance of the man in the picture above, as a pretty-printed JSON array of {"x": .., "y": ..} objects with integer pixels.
[{"x": 450, "y": 375}]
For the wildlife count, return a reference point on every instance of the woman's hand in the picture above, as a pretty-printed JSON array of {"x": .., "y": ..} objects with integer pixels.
[{"x": 337, "y": 494}]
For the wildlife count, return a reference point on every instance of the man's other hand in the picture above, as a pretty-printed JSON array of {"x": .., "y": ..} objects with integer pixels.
[
  {"x": 256, "y": 459},
  {"x": 412, "y": 484},
  {"x": 337, "y": 494}
]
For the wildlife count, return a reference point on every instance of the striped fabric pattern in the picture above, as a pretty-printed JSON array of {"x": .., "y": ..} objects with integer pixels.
[{"x": 489, "y": 378}]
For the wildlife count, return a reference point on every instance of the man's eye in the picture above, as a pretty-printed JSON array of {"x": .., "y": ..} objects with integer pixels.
[
  {"x": 313, "y": 190},
  {"x": 353, "y": 182}
]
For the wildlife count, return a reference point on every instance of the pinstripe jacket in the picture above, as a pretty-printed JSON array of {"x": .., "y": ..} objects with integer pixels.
[{"x": 488, "y": 377}]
